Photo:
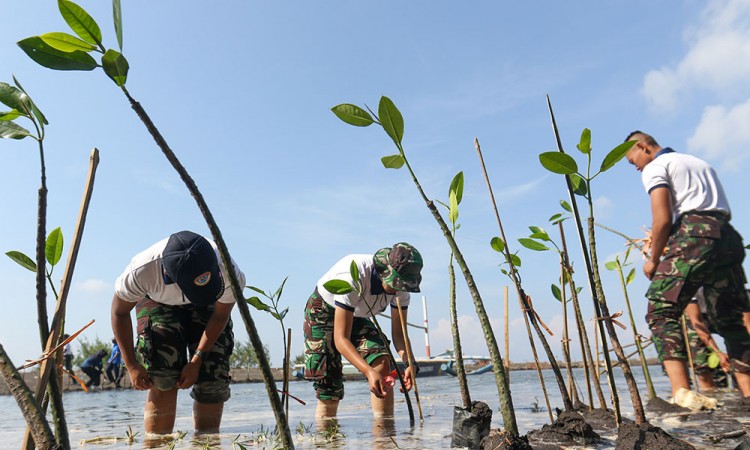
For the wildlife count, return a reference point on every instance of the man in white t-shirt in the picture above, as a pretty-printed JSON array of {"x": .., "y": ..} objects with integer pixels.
[
  {"x": 182, "y": 307},
  {"x": 337, "y": 325},
  {"x": 690, "y": 219}
]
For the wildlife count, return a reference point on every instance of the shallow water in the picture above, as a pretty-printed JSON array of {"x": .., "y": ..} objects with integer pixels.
[{"x": 247, "y": 415}]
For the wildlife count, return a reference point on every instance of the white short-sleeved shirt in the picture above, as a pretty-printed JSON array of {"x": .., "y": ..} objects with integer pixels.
[
  {"x": 373, "y": 295},
  {"x": 144, "y": 278},
  {"x": 692, "y": 182}
]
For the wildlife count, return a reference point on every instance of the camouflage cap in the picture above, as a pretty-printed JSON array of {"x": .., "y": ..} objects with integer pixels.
[{"x": 399, "y": 267}]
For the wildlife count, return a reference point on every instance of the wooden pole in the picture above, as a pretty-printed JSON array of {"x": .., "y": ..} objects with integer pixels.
[
  {"x": 410, "y": 358},
  {"x": 507, "y": 334}
]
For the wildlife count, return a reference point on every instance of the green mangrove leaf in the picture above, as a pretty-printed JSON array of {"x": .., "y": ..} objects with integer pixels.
[
  {"x": 51, "y": 58},
  {"x": 556, "y": 292},
  {"x": 579, "y": 185},
  {"x": 393, "y": 161},
  {"x": 631, "y": 276},
  {"x": 9, "y": 115},
  {"x": 505, "y": 272},
  {"x": 533, "y": 245},
  {"x": 259, "y": 291},
  {"x": 615, "y": 155},
  {"x": 556, "y": 218},
  {"x": 584, "y": 145},
  {"x": 391, "y": 119},
  {"x": 66, "y": 42},
  {"x": 283, "y": 313},
  {"x": 80, "y": 22},
  {"x": 453, "y": 209},
  {"x": 117, "y": 18},
  {"x": 353, "y": 115},
  {"x": 497, "y": 244},
  {"x": 22, "y": 260},
  {"x": 539, "y": 233},
  {"x": 338, "y": 287},
  {"x": 457, "y": 186},
  {"x": 354, "y": 270},
  {"x": 277, "y": 294},
  {"x": 557, "y": 162},
  {"x": 516, "y": 260},
  {"x": 611, "y": 265},
  {"x": 258, "y": 304},
  {"x": 713, "y": 360},
  {"x": 14, "y": 98},
  {"x": 578, "y": 290},
  {"x": 566, "y": 206},
  {"x": 747, "y": 246},
  {"x": 39, "y": 116},
  {"x": 116, "y": 66},
  {"x": 11, "y": 130},
  {"x": 54, "y": 246}
]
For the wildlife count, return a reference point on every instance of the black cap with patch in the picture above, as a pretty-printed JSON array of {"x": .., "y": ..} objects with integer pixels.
[{"x": 190, "y": 261}]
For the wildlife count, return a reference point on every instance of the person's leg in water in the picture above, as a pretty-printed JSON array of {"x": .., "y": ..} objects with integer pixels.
[
  {"x": 159, "y": 413},
  {"x": 382, "y": 407}
]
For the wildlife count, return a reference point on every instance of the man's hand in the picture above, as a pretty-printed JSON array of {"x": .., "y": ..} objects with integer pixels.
[
  {"x": 189, "y": 375},
  {"x": 408, "y": 378},
  {"x": 139, "y": 377},
  {"x": 724, "y": 362},
  {"x": 649, "y": 267},
  {"x": 377, "y": 384}
]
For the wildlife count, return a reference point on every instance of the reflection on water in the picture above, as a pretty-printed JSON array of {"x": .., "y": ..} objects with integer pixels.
[{"x": 249, "y": 421}]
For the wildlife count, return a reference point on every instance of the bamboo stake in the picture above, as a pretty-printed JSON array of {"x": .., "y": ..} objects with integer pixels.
[
  {"x": 410, "y": 358},
  {"x": 287, "y": 365},
  {"x": 457, "y": 351},
  {"x": 58, "y": 320},
  {"x": 573, "y": 392},
  {"x": 536, "y": 361}
]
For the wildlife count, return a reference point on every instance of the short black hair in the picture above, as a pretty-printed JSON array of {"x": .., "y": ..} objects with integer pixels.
[{"x": 645, "y": 137}]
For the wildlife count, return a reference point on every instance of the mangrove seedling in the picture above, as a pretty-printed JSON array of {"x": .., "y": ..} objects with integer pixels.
[
  {"x": 500, "y": 244},
  {"x": 392, "y": 122},
  {"x": 22, "y": 106},
  {"x": 625, "y": 280},
  {"x": 579, "y": 184},
  {"x": 63, "y": 51}
]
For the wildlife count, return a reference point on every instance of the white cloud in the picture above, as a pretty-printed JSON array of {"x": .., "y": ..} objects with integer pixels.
[
  {"x": 723, "y": 132},
  {"x": 513, "y": 193},
  {"x": 93, "y": 286},
  {"x": 717, "y": 58},
  {"x": 603, "y": 207}
]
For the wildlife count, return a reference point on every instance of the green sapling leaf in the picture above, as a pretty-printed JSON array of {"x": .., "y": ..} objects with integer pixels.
[
  {"x": 80, "y": 22},
  {"x": 631, "y": 276},
  {"x": 497, "y": 244},
  {"x": 117, "y": 18},
  {"x": 539, "y": 233},
  {"x": 611, "y": 265},
  {"x": 39, "y": 116},
  {"x": 533, "y": 245},
  {"x": 566, "y": 206},
  {"x": 457, "y": 186},
  {"x": 22, "y": 260},
  {"x": 10, "y": 130},
  {"x": 259, "y": 291},
  {"x": 9, "y": 115},
  {"x": 116, "y": 66},
  {"x": 338, "y": 287},
  {"x": 393, "y": 161},
  {"x": 557, "y": 162},
  {"x": 15, "y": 98},
  {"x": 615, "y": 155},
  {"x": 516, "y": 260},
  {"x": 277, "y": 294},
  {"x": 453, "y": 208},
  {"x": 256, "y": 303},
  {"x": 391, "y": 119},
  {"x": 51, "y": 58},
  {"x": 579, "y": 185},
  {"x": 353, "y": 115},
  {"x": 354, "y": 270},
  {"x": 584, "y": 145},
  {"x": 556, "y": 292},
  {"x": 66, "y": 42},
  {"x": 54, "y": 246}
]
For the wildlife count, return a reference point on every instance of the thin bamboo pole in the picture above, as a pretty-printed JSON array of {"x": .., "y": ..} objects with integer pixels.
[
  {"x": 507, "y": 333},
  {"x": 410, "y": 358},
  {"x": 689, "y": 352}
]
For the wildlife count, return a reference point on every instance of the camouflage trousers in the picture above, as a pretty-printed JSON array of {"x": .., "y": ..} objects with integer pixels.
[
  {"x": 703, "y": 251},
  {"x": 698, "y": 350},
  {"x": 323, "y": 362},
  {"x": 166, "y": 334}
]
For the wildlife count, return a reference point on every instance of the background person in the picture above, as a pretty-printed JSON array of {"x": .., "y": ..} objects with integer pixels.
[
  {"x": 337, "y": 325},
  {"x": 183, "y": 305},
  {"x": 92, "y": 367},
  {"x": 690, "y": 217},
  {"x": 113, "y": 364}
]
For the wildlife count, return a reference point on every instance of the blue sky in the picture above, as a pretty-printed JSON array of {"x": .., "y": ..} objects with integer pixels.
[{"x": 242, "y": 92}]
